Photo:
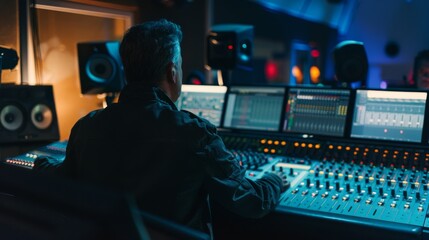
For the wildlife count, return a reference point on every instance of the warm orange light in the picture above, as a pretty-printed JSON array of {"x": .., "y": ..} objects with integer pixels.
[
  {"x": 297, "y": 73},
  {"x": 314, "y": 74}
]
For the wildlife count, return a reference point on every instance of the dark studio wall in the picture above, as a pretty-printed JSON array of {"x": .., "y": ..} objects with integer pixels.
[{"x": 278, "y": 26}]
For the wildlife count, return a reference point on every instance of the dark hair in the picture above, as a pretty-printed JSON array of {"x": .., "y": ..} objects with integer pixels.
[
  {"x": 418, "y": 60},
  {"x": 147, "y": 48}
]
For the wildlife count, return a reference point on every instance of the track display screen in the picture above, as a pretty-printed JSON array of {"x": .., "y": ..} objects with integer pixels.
[
  {"x": 316, "y": 111},
  {"x": 256, "y": 108},
  {"x": 389, "y": 115}
]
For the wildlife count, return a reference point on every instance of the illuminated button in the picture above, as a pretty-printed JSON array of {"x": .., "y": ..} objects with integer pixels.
[
  {"x": 266, "y": 150},
  {"x": 296, "y": 144},
  {"x": 339, "y": 147},
  {"x": 283, "y": 143},
  {"x": 310, "y": 145},
  {"x": 263, "y": 141},
  {"x": 348, "y": 148},
  {"x": 273, "y": 151},
  {"x": 276, "y": 142},
  {"x": 270, "y": 142},
  {"x": 303, "y": 145},
  {"x": 317, "y": 146},
  {"x": 331, "y": 147}
]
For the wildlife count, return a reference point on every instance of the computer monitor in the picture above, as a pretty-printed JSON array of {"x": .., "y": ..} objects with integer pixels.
[
  {"x": 254, "y": 108},
  {"x": 319, "y": 111},
  {"x": 205, "y": 101},
  {"x": 389, "y": 115}
]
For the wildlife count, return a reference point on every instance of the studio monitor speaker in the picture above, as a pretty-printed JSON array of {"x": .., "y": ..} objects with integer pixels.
[
  {"x": 230, "y": 46},
  {"x": 27, "y": 114},
  {"x": 351, "y": 62},
  {"x": 100, "y": 67}
]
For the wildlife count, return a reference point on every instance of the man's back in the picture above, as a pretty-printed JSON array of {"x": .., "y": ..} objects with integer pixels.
[{"x": 144, "y": 146}]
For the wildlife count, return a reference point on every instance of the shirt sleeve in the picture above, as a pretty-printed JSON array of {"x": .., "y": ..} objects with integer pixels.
[{"x": 228, "y": 185}]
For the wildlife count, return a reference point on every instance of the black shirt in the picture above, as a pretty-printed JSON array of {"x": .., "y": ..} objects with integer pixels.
[{"x": 170, "y": 160}]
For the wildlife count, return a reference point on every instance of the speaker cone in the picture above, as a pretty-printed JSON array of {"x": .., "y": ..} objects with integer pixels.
[
  {"x": 11, "y": 118},
  {"x": 100, "y": 68},
  {"x": 41, "y": 116}
]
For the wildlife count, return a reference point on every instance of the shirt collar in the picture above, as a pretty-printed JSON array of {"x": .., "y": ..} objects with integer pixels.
[{"x": 140, "y": 92}]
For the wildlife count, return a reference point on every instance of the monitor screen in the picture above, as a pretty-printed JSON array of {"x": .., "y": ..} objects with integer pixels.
[
  {"x": 254, "y": 108},
  {"x": 389, "y": 115},
  {"x": 205, "y": 101},
  {"x": 316, "y": 111}
]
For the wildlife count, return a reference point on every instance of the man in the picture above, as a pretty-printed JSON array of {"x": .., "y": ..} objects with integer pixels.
[
  {"x": 421, "y": 70},
  {"x": 171, "y": 160}
]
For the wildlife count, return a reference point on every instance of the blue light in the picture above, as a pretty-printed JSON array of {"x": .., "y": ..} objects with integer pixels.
[{"x": 244, "y": 57}]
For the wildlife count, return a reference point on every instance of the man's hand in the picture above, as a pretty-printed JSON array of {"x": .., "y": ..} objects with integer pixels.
[
  {"x": 46, "y": 162},
  {"x": 286, "y": 183}
]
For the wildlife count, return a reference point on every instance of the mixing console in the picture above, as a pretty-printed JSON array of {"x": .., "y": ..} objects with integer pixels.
[
  {"x": 56, "y": 150},
  {"x": 354, "y": 167},
  {"x": 342, "y": 179}
]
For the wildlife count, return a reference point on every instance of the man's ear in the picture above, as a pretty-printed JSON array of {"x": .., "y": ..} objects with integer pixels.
[{"x": 171, "y": 72}]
